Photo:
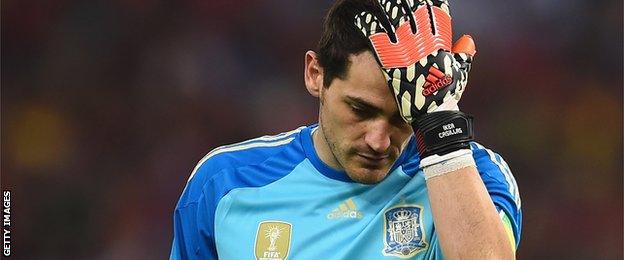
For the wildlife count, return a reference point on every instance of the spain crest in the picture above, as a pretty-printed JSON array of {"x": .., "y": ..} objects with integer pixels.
[{"x": 404, "y": 232}]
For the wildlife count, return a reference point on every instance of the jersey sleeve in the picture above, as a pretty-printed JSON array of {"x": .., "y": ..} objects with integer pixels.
[
  {"x": 501, "y": 187},
  {"x": 193, "y": 218},
  {"x": 192, "y": 223}
]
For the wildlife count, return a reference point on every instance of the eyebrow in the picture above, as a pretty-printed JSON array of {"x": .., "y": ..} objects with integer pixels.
[
  {"x": 363, "y": 103},
  {"x": 368, "y": 106}
]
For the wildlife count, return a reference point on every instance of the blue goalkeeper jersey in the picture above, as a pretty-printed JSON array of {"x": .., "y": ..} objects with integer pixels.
[{"x": 273, "y": 198}]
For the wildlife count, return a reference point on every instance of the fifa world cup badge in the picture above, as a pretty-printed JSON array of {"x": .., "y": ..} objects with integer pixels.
[
  {"x": 273, "y": 240},
  {"x": 404, "y": 232}
]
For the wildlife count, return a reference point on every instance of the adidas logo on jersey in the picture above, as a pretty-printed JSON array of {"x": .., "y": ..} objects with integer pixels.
[{"x": 346, "y": 210}]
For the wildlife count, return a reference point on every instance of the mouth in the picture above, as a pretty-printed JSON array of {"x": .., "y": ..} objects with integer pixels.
[{"x": 373, "y": 159}]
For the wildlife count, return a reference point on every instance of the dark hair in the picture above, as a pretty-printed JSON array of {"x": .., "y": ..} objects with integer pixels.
[{"x": 341, "y": 38}]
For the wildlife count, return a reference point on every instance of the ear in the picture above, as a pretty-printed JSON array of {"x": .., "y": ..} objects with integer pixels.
[{"x": 313, "y": 74}]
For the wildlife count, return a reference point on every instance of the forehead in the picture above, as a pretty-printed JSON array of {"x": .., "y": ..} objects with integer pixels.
[{"x": 365, "y": 80}]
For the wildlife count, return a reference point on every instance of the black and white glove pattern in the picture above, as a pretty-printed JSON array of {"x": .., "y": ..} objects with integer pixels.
[{"x": 412, "y": 43}]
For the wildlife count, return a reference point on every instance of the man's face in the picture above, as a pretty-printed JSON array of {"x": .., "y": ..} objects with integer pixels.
[{"x": 360, "y": 124}]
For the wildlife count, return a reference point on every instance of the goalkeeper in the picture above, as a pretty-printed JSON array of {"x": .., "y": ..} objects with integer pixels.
[{"x": 390, "y": 171}]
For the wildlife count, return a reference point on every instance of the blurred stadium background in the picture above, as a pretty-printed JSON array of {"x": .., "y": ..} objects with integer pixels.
[{"x": 108, "y": 105}]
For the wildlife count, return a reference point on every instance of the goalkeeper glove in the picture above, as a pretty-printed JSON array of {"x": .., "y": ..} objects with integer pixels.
[{"x": 412, "y": 43}]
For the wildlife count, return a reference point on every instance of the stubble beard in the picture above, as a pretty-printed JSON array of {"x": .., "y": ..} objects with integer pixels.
[
  {"x": 341, "y": 156},
  {"x": 329, "y": 139}
]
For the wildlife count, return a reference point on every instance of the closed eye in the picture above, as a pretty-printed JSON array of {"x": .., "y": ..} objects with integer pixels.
[
  {"x": 361, "y": 112},
  {"x": 361, "y": 108}
]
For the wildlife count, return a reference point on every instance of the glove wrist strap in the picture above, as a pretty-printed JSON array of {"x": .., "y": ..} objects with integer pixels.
[{"x": 443, "y": 132}]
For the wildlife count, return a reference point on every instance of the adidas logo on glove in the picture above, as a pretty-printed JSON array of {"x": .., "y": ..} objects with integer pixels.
[{"x": 435, "y": 81}]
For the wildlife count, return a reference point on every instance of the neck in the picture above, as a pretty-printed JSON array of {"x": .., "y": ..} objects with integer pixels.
[{"x": 323, "y": 150}]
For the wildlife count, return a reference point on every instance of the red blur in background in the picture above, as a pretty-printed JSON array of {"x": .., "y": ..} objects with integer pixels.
[{"x": 108, "y": 105}]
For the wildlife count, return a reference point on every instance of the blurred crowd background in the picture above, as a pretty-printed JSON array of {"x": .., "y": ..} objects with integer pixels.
[{"x": 107, "y": 105}]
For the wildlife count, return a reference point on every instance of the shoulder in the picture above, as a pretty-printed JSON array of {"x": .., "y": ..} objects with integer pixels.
[
  {"x": 491, "y": 165},
  {"x": 221, "y": 168},
  {"x": 243, "y": 153}
]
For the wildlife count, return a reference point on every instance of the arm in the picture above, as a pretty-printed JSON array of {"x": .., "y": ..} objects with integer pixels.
[
  {"x": 465, "y": 218},
  {"x": 463, "y": 199}
]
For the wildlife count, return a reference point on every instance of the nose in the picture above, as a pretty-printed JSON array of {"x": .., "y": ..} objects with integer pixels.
[{"x": 378, "y": 137}]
